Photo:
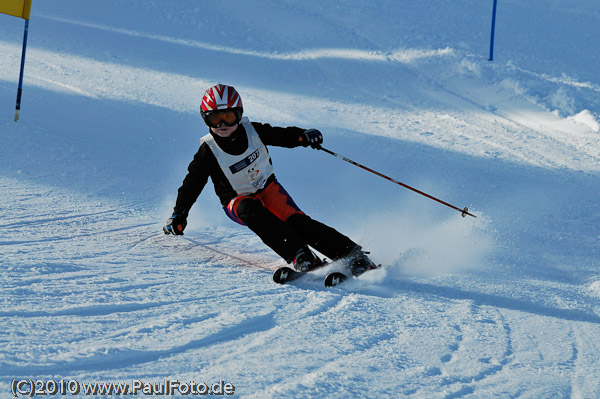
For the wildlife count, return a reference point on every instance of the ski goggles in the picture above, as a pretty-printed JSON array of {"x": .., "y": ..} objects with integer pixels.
[{"x": 229, "y": 117}]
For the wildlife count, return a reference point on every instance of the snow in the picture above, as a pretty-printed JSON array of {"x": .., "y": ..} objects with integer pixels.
[{"x": 503, "y": 305}]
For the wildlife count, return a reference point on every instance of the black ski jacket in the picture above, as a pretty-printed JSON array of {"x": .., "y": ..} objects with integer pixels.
[{"x": 205, "y": 165}]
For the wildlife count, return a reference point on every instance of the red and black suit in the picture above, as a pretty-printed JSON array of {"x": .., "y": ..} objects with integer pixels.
[{"x": 268, "y": 210}]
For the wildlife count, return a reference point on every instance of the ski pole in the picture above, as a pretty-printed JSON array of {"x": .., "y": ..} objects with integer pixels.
[{"x": 464, "y": 212}]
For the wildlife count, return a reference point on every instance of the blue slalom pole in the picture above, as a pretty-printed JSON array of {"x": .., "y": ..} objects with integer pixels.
[
  {"x": 20, "y": 89},
  {"x": 493, "y": 30}
]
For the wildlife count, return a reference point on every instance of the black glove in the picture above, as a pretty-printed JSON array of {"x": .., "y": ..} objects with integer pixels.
[
  {"x": 313, "y": 138},
  {"x": 176, "y": 224}
]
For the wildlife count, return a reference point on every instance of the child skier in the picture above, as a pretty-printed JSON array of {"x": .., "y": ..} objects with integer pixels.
[{"x": 235, "y": 157}]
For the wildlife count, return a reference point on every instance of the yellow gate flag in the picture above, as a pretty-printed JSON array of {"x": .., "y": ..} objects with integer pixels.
[
  {"x": 17, "y": 8},
  {"x": 21, "y": 9}
]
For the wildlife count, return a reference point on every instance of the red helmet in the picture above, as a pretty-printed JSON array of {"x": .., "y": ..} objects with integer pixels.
[{"x": 220, "y": 97}]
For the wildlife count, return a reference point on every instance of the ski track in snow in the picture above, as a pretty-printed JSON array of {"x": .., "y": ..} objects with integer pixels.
[
  {"x": 504, "y": 306},
  {"x": 128, "y": 322},
  {"x": 122, "y": 317}
]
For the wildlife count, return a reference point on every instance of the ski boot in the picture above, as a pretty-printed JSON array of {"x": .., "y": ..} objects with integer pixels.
[
  {"x": 359, "y": 262},
  {"x": 305, "y": 260}
]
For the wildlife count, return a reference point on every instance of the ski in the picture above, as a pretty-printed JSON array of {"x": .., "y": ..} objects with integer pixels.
[
  {"x": 286, "y": 274},
  {"x": 335, "y": 278}
]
